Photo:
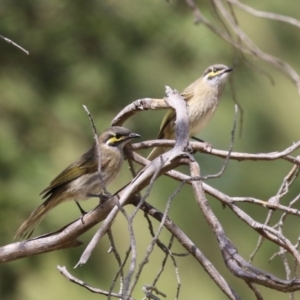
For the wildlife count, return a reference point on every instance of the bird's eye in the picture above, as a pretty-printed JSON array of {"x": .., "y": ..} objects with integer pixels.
[
  {"x": 118, "y": 136},
  {"x": 214, "y": 70}
]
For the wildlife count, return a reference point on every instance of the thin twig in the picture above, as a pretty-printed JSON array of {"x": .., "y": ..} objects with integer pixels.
[
  {"x": 75, "y": 280},
  {"x": 153, "y": 242},
  {"x": 266, "y": 15},
  {"x": 120, "y": 271},
  {"x": 114, "y": 250},
  {"x": 226, "y": 161},
  {"x": 15, "y": 44},
  {"x": 99, "y": 152}
]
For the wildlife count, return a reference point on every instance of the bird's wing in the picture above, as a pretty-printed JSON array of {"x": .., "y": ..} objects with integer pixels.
[
  {"x": 189, "y": 91},
  {"x": 168, "y": 118},
  {"x": 86, "y": 164}
]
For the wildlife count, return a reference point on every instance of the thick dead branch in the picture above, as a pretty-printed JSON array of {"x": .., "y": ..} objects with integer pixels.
[
  {"x": 136, "y": 106},
  {"x": 64, "y": 237},
  {"x": 239, "y": 156}
]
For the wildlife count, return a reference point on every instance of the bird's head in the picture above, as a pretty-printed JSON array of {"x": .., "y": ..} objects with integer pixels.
[
  {"x": 216, "y": 75},
  {"x": 117, "y": 136}
]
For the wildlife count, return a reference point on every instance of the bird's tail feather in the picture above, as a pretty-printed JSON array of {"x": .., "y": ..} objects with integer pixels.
[
  {"x": 157, "y": 151},
  {"x": 27, "y": 228}
]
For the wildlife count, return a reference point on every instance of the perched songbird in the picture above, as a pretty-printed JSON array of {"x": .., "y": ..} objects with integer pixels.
[
  {"x": 81, "y": 179},
  {"x": 202, "y": 97}
]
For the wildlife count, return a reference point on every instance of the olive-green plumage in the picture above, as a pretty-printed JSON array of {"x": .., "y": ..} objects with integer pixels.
[
  {"x": 81, "y": 179},
  {"x": 203, "y": 97}
]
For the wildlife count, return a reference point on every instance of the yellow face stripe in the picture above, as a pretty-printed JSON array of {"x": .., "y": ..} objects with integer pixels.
[
  {"x": 214, "y": 72},
  {"x": 114, "y": 139}
]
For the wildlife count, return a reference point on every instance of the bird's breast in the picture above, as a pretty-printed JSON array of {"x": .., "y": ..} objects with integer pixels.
[{"x": 200, "y": 113}]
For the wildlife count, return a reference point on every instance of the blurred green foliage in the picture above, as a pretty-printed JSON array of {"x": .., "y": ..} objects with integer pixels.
[{"x": 105, "y": 54}]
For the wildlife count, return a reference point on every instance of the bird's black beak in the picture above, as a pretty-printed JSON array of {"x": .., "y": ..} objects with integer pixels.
[
  {"x": 133, "y": 135},
  {"x": 228, "y": 70}
]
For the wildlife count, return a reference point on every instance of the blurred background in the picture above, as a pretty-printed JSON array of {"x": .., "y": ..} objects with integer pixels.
[{"x": 106, "y": 54}]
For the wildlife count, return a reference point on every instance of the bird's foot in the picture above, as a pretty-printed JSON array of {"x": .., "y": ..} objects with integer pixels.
[
  {"x": 190, "y": 149},
  {"x": 83, "y": 212},
  {"x": 207, "y": 147},
  {"x": 104, "y": 197}
]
